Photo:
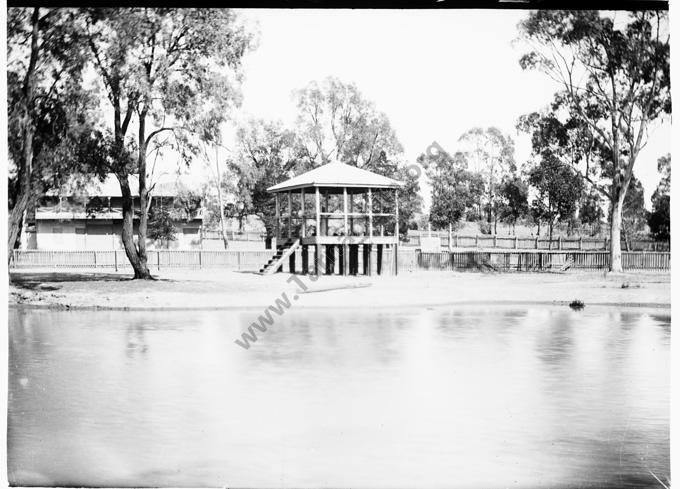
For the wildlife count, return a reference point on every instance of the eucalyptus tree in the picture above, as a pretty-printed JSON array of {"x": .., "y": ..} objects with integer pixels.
[
  {"x": 164, "y": 71},
  {"x": 558, "y": 190},
  {"x": 515, "y": 200},
  {"x": 614, "y": 82},
  {"x": 48, "y": 108},
  {"x": 265, "y": 155},
  {"x": 336, "y": 122},
  {"x": 455, "y": 189},
  {"x": 590, "y": 212},
  {"x": 490, "y": 154}
]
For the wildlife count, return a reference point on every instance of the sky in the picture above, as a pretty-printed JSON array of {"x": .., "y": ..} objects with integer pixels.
[{"x": 435, "y": 73}]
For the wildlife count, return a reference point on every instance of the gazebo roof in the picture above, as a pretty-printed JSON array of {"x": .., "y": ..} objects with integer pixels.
[{"x": 336, "y": 174}]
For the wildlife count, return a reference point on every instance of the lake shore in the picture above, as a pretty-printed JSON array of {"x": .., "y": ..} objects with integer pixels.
[{"x": 224, "y": 289}]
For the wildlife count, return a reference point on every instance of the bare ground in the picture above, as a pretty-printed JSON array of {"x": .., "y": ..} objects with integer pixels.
[{"x": 220, "y": 289}]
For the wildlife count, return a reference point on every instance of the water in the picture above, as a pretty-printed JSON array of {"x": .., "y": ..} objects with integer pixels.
[{"x": 463, "y": 397}]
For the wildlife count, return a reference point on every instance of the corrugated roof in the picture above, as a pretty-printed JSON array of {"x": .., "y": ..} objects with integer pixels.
[{"x": 337, "y": 175}]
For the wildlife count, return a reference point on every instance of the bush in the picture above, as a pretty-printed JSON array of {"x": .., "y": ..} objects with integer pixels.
[{"x": 485, "y": 227}]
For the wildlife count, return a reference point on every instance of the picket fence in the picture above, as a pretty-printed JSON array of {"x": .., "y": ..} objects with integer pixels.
[
  {"x": 541, "y": 261},
  {"x": 409, "y": 260},
  {"x": 529, "y": 243}
]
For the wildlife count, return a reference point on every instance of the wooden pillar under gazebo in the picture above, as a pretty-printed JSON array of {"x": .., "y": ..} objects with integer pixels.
[{"x": 343, "y": 230}]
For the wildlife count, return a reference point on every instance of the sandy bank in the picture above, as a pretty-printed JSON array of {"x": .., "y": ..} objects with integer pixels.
[{"x": 228, "y": 289}]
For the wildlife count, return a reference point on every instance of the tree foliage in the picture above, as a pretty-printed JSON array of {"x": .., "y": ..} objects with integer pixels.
[
  {"x": 558, "y": 191},
  {"x": 659, "y": 220},
  {"x": 614, "y": 82},
  {"x": 161, "y": 225},
  {"x": 634, "y": 213},
  {"x": 336, "y": 122},
  {"x": 455, "y": 190},
  {"x": 491, "y": 155},
  {"x": 590, "y": 210},
  {"x": 514, "y": 193},
  {"x": 175, "y": 72},
  {"x": 50, "y": 113},
  {"x": 264, "y": 157}
]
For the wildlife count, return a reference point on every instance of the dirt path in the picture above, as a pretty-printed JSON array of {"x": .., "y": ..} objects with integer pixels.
[{"x": 229, "y": 289}]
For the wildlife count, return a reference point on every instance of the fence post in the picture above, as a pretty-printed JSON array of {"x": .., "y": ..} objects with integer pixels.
[
  {"x": 559, "y": 242},
  {"x": 515, "y": 241},
  {"x": 580, "y": 243},
  {"x": 476, "y": 240},
  {"x": 239, "y": 260},
  {"x": 115, "y": 260},
  {"x": 605, "y": 243},
  {"x": 158, "y": 259},
  {"x": 536, "y": 243},
  {"x": 494, "y": 241},
  {"x": 200, "y": 259},
  {"x": 450, "y": 237}
]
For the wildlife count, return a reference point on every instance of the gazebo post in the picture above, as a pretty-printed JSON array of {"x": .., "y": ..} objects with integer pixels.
[
  {"x": 290, "y": 215},
  {"x": 317, "y": 248},
  {"x": 303, "y": 231},
  {"x": 351, "y": 211},
  {"x": 345, "y": 246},
  {"x": 370, "y": 213},
  {"x": 278, "y": 218},
  {"x": 396, "y": 231}
]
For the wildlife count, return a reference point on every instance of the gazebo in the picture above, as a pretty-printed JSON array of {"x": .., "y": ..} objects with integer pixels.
[{"x": 347, "y": 217}]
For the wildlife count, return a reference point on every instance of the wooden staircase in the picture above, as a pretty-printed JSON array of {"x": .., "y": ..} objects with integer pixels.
[{"x": 283, "y": 251}]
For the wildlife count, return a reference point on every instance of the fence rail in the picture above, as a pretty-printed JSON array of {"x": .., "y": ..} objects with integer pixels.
[
  {"x": 529, "y": 243},
  {"x": 409, "y": 259},
  {"x": 541, "y": 260},
  {"x": 156, "y": 259}
]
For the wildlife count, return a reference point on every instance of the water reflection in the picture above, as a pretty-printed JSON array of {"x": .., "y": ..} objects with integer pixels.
[{"x": 466, "y": 397}]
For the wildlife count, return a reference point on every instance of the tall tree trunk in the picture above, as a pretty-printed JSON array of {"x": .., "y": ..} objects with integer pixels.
[
  {"x": 615, "y": 264},
  {"x": 18, "y": 212},
  {"x": 140, "y": 269},
  {"x": 220, "y": 200},
  {"x": 144, "y": 201}
]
